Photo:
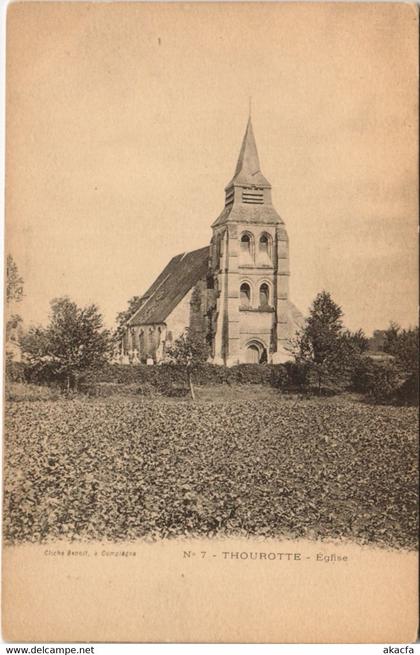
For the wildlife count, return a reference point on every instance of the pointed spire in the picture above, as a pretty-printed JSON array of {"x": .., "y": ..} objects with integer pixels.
[
  {"x": 248, "y": 161},
  {"x": 248, "y": 194},
  {"x": 248, "y": 167}
]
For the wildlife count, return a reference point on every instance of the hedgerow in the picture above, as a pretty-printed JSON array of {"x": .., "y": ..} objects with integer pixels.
[
  {"x": 274, "y": 374},
  {"x": 380, "y": 382}
]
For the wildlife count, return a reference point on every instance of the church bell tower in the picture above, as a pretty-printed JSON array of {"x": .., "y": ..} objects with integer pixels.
[{"x": 249, "y": 269}]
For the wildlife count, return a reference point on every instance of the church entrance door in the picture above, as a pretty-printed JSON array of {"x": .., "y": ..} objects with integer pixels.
[
  {"x": 252, "y": 355},
  {"x": 256, "y": 354}
]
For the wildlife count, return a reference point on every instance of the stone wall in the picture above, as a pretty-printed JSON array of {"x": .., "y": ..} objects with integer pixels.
[
  {"x": 142, "y": 342},
  {"x": 178, "y": 319},
  {"x": 151, "y": 341}
]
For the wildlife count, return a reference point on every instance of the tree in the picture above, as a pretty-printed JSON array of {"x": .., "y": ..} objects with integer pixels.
[
  {"x": 404, "y": 346},
  {"x": 14, "y": 283},
  {"x": 13, "y": 327},
  {"x": 357, "y": 341},
  {"x": 73, "y": 342},
  {"x": 189, "y": 350},
  {"x": 323, "y": 344}
]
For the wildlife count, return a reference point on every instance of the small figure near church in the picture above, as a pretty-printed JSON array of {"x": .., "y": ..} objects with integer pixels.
[{"x": 234, "y": 292}]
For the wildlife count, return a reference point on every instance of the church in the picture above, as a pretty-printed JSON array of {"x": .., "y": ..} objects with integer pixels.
[{"x": 234, "y": 292}]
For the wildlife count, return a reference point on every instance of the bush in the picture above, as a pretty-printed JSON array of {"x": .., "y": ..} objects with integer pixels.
[
  {"x": 408, "y": 393},
  {"x": 15, "y": 371},
  {"x": 162, "y": 375},
  {"x": 279, "y": 377},
  {"x": 298, "y": 375},
  {"x": 250, "y": 374},
  {"x": 385, "y": 384},
  {"x": 363, "y": 375},
  {"x": 145, "y": 390},
  {"x": 171, "y": 379},
  {"x": 212, "y": 374},
  {"x": 404, "y": 346}
]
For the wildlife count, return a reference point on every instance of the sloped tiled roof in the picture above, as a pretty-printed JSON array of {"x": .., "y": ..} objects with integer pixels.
[
  {"x": 177, "y": 278},
  {"x": 264, "y": 214}
]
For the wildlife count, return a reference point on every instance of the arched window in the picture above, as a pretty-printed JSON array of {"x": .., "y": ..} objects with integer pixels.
[
  {"x": 141, "y": 342},
  {"x": 247, "y": 249},
  {"x": 246, "y": 244},
  {"x": 245, "y": 294},
  {"x": 219, "y": 246},
  {"x": 264, "y": 246},
  {"x": 264, "y": 295}
]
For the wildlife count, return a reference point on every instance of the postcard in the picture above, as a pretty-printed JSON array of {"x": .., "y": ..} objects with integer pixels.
[{"x": 211, "y": 351}]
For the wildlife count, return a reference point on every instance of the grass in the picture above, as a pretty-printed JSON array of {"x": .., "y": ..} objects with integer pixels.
[
  {"x": 204, "y": 393},
  {"x": 22, "y": 391},
  {"x": 240, "y": 461}
]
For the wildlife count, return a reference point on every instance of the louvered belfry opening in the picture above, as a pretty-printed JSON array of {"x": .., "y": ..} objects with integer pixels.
[
  {"x": 248, "y": 185},
  {"x": 230, "y": 195},
  {"x": 253, "y": 196}
]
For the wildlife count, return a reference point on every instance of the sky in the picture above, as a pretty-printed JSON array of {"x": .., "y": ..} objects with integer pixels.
[{"x": 124, "y": 124}]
